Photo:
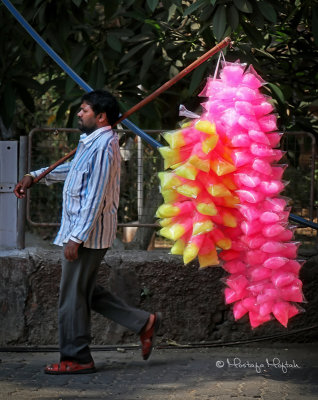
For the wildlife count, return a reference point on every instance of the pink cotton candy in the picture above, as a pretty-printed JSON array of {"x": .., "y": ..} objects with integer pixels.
[
  {"x": 235, "y": 266},
  {"x": 249, "y": 212},
  {"x": 281, "y": 312},
  {"x": 251, "y": 228},
  {"x": 231, "y": 296},
  {"x": 230, "y": 117},
  {"x": 241, "y": 158},
  {"x": 268, "y": 123},
  {"x": 271, "y": 187},
  {"x": 250, "y": 196},
  {"x": 248, "y": 122},
  {"x": 244, "y": 107},
  {"x": 239, "y": 310},
  {"x": 293, "y": 266},
  {"x": 290, "y": 250},
  {"x": 250, "y": 304},
  {"x": 238, "y": 284},
  {"x": 261, "y": 150},
  {"x": 281, "y": 278},
  {"x": 268, "y": 217},
  {"x": 247, "y": 94},
  {"x": 263, "y": 108},
  {"x": 274, "y": 138},
  {"x": 247, "y": 180},
  {"x": 251, "y": 81},
  {"x": 262, "y": 166},
  {"x": 266, "y": 307},
  {"x": 258, "y": 137},
  {"x": 292, "y": 292},
  {"x": 232, "y": 74},
  {"x": 269, "y": 294},
  {"x": 259, "y": 273},
  {"x": 256, "y": 319},
  {"x": 255, "y": 257},
  {"x": 275, "y": 262},
  {"x": 241, "y": 140},
  {"x": 272, "y": 247},
  {"x": 278, "y": 171},
  {"x": 277, "y": 204},
  {"x": 272, "y": 230},
  {"x": 254, "y": 242}
]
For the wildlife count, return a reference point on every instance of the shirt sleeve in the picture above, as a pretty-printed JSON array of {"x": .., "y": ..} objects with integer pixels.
[
  {"x": 95, "y": 200},
  {"x": 57, "y": 175}
]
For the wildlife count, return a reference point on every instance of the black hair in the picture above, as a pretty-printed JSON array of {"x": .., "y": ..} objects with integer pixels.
[{"x": 102, "y": 101}]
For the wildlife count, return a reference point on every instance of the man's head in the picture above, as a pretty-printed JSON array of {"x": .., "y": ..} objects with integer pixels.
[{"x": 99, "y": 108}]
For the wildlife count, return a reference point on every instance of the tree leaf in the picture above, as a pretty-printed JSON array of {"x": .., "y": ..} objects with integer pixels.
[
  {"x": 213, "y": 2},
  {"x": 195, "y": 6},
  {"x": 7, "y": 105},
  {"x": 152, "y": 4},
  {"x": 147, "y": 60},
  {"x": 277, "y": 91},
  {"x": 133, "y": 51},
  {"x": 315, "y": 23},
  {"x": 268, "y": 11},
  {"x": 197, "y": 77},
  {"x": 77, "y": 2},
  {"x": 114, "y": 42},
  {"x": 233, "y": 17},
  {"x": 243, "y": 5},
  {"x": 219, "y": 22}
]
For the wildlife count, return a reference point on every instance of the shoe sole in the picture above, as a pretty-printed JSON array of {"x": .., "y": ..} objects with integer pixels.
[
  {"x": 81, "y": 371},
  {"x": 156, "y": 327}
]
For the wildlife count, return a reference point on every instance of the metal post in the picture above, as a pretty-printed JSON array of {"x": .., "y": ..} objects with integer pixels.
[
  {"x": 23, "y": 165},
  {"x": 140, "y": 177}
]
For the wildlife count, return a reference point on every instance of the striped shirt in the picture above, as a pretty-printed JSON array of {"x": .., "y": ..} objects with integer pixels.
[{"x": 91, "y": 191}]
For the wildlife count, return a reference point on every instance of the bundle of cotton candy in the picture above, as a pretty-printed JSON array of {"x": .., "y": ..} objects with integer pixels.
[
  {"x": 264, "y": 272},
  {"x": 198, "y": 191}
]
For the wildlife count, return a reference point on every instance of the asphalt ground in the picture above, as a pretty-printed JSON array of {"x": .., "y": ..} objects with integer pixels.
[{"x": 248, "y": 372}]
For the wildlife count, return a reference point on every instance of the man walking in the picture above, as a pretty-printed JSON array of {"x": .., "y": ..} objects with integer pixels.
[{"x": 88, "y": 229}]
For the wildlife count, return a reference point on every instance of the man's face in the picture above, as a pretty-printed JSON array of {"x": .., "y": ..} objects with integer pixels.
[{"x": 87, "y": 120}]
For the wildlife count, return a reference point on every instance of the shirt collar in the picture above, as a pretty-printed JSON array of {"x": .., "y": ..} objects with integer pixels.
[{"x": 88, "y": 139}]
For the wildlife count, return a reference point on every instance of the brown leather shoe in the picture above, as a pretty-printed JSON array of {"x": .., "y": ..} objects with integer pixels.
[
  {"x": 148, "y": 338},
  {"x": 70, "y": 367}
]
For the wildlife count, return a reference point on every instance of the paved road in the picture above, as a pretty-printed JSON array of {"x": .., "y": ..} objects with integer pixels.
[{"x": 282, "y": 372}]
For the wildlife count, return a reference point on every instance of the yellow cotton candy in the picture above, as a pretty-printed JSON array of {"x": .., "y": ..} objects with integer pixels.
[
  {"x": 168, "y": 180},
  {"x": 218, "y": 190},
  {"x": 222, "y": 167},
  {"x": 231, "y": 201},
  {"x": 175, "y": 139},
  {"x": 209, "y": 259},
  {"x": 202, "y": 227},
  {"x": 224, "y": 244},
  {"x": 189, "y": 190},
  {"x": 229, "y": 182},
  {"x": 205, "y": 126},
  {"x": 207, "y": 208},
  {"x": 167, "y": 210},
  {"x": 203, "y": 165},
  {"x": 170, "y": 156},
  {"x": 209, "y": 143},
  {"x": 173, "y": 232},
  {"x": 229, "y": 220},
  {"x": 190, "y": 252},
  {"x": 178, "y": 247},
  {"x": 165, "y": 221},
  {"x": 170, "y": 195},
  {"x": 187, "y": 171}
]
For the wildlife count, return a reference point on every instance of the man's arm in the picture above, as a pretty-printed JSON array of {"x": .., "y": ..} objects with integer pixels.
[{"x": 57, "y": 175}]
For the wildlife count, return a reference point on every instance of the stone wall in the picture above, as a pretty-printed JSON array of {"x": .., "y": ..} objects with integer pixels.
[{"x": 190, "y": 299}]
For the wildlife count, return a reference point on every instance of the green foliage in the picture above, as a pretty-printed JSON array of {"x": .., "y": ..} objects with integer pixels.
[{"x": 132, "y": 47}]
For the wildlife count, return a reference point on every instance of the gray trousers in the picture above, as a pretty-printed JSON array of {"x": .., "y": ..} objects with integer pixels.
[{"x": 78, "y": 295}]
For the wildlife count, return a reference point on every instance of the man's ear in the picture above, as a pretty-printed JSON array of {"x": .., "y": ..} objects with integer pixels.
[{"x": 102, "y": 118}]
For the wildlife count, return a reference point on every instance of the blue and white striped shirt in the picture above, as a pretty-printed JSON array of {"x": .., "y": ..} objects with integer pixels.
[{"x": 91, "y": 190}]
